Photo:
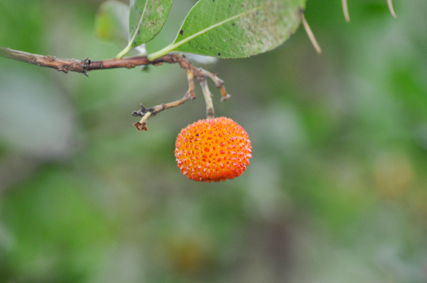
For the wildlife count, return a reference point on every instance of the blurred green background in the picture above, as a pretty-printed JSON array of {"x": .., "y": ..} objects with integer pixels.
[{"x": 336, "y": 190}]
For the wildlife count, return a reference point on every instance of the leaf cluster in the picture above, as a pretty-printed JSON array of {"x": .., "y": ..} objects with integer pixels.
[{"x": 224, "y": 29}]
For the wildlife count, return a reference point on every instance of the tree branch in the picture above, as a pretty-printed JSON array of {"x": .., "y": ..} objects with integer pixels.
[
  {"x": 63, "y": 65},
  {"x": 86, "y": 65}
]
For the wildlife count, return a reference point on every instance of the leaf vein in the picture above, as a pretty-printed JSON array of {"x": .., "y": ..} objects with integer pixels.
[
  {"x": 140, "y": 22},
  {"x": 179, "y": 43}
]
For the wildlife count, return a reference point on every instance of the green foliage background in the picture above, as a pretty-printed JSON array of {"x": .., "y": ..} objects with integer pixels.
[{"x": 336, "y": 190}]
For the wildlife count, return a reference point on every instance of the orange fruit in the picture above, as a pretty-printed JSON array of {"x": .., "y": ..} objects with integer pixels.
[{"x": 213, "y": 150}]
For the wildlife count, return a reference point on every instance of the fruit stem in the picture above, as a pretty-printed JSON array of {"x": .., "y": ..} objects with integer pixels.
[{"x": 208, "y": 99}]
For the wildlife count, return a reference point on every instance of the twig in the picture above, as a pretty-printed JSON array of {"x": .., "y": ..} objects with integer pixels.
[
  {"x": 219, "y": 84},
  {"x": 147, "y": 113},
  {"x": 86, "y": 65},
  {"x": 192, "y": 72}
]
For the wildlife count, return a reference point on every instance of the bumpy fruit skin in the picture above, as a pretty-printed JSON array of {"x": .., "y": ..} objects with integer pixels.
[{"x": 213, "y": 150}]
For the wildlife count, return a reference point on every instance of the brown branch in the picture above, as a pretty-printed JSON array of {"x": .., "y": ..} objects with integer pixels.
[
  {"x": 86, "y": 65},
  {"x": 63, "y": 65},
  {"x": 79, "y": 66}
]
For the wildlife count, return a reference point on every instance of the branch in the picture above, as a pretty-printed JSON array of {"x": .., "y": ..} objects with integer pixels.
[
  {"x": 86, "y": 65},
  {"x": 63, "y": 65}
]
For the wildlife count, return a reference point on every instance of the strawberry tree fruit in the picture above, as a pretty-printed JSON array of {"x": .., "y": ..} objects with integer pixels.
[{"x": 213, "y": 150}]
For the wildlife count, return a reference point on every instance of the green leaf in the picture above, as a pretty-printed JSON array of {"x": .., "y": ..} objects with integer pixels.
[
  {"x": 146, "y": 19},
  {"x": 111, "y": 22},
  {"x": 236, "y": 29}
]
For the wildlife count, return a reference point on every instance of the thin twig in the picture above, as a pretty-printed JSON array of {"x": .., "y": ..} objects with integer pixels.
[
  {"x": 390, "y": 7},
  {"x": 192, "y": 72},
  {"x": 147, "y": 113},
  {"x": 142, "y": 124},
  {"x": 345, "y": 10},
  {"x": 219, "y": 84},
  {"x": 86, "y": 65},
  {"x": 310, "y": 34}
]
